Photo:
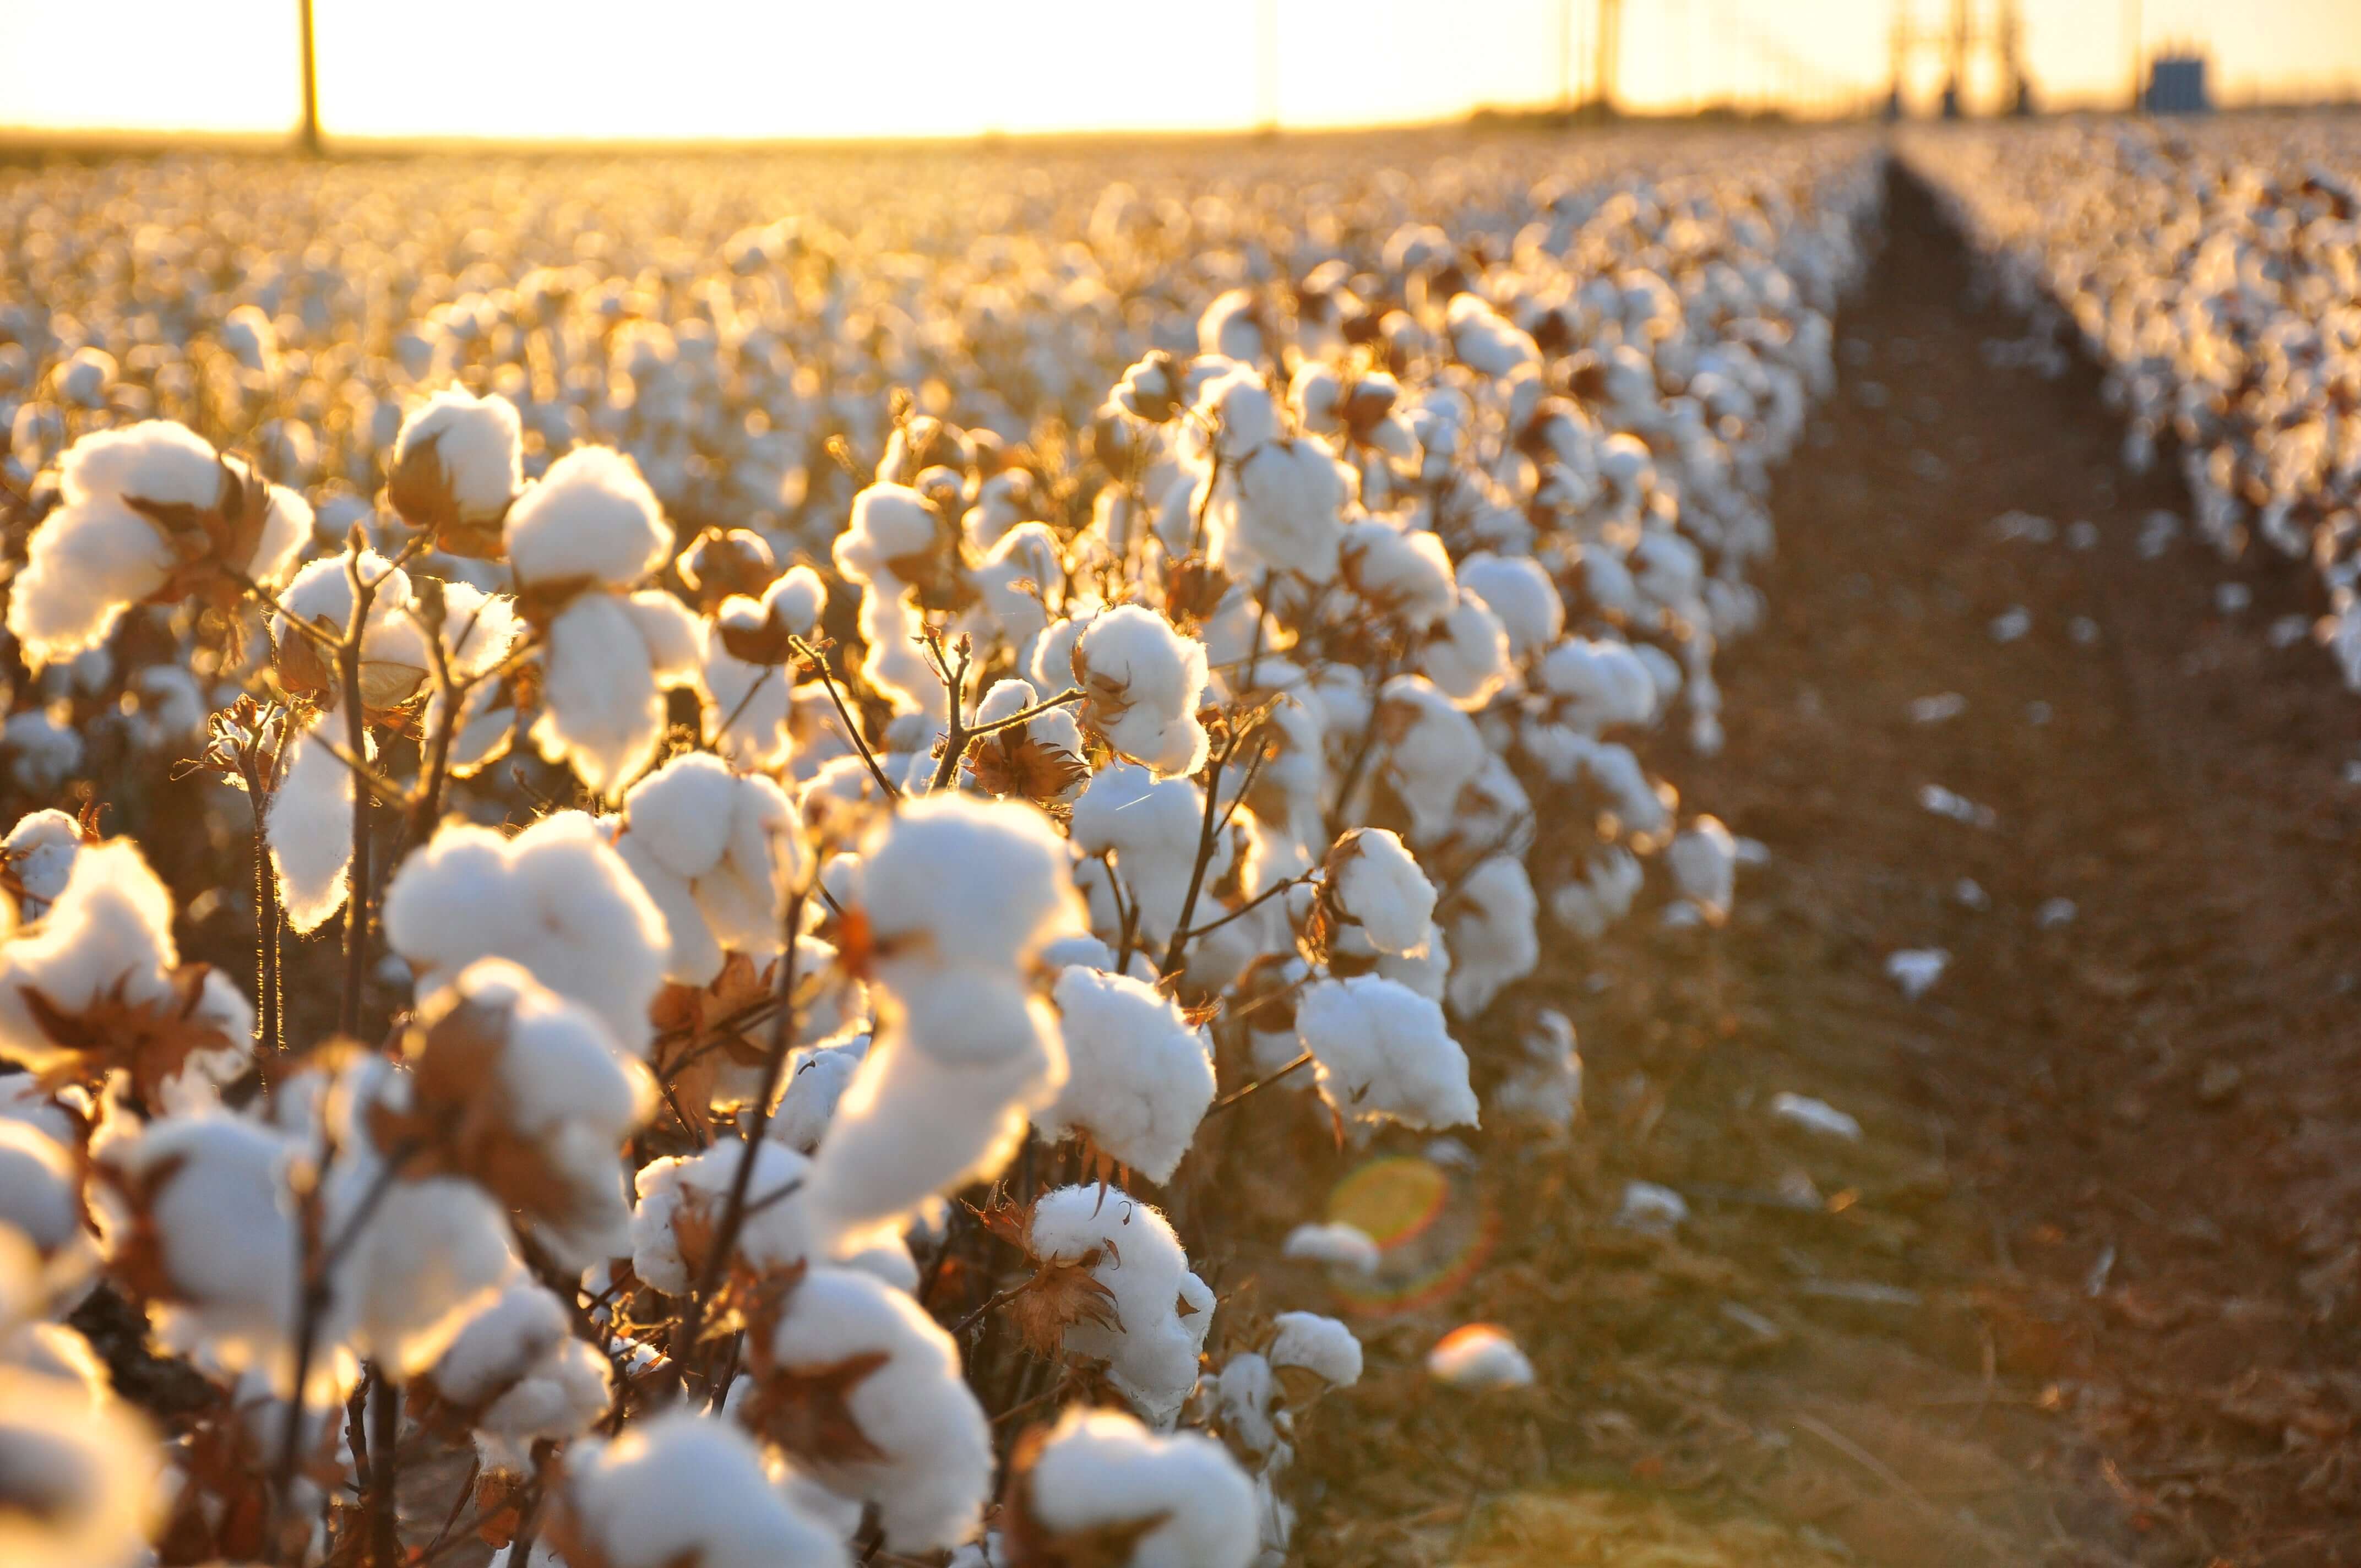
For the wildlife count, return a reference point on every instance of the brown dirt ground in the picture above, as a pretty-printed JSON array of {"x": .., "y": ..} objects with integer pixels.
[{"x": 2087, "y": 1290}]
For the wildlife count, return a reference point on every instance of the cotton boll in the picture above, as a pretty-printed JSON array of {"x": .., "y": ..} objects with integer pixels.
[
  {"x": 1239, "y": 407},
  {"x": 431, "y": 1254},
  {"x": 518, "y": 1377},
  {"x": 1163, "y": 1310},
  {"x": 1338, "y": 1245},
  {"x": 1405, "y": 574},
  {"x": 1517, "y": 590},
  {"x": 923, "y": 1456},
  {"x": 1479, "y": 1359},
  {"x": 1489, "y": 924},
  {"x": 1598, "y": 687},
  {"x": 1467, "y": 656},
  {"x": 681, "y": 1203},
  {"x": 1152, "y": 826},
  {"x": 86, "y": 563},
  {"x": 919, "y": 1119},
  {"x": 44, "y": 749},
  {"x": 1139, "y": 1077},
  {"x": 889, "y": 542},
  {"x": 749, "y": 706},
  {"x": 81, "y": 1477},
  {"x": 1320, "y": 1345},
  {"x": 893, "y": 667},
  {"x": 40, "y": 1199},
  {"x": 39, "y": 853},
  {"x": 1180, "y": 1500},
  {"x": 815, "y": 1081},
  {"x": 1484, "y": 341},
  {"x": 1374, "y": 883},
  {"x": 1609, "y": 883},
  {"x": 590, "y": 517},
  {"x": 1704, "y": 861},
  {"x": 677, "y": 1487},
  {"x": 555, "y": 899},
  {"x": 1380, "y": 1051},
  {"x": 310, "y": 825},
  {"x": 191, "y": 1208},
  {"x": 1433, "y": 751},
  {"x": 1013, "y": 578},
  {"x": 1142, "y": 683},
  {"x": 954, "y": 880},
  {"x": 1545, "y": 1088},
  {"x": 604, "y": 713},
  {"x": 1288, "y": 495},
  {"x": 456, "y": 464}
]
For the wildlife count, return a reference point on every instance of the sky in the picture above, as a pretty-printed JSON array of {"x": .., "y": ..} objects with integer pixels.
[{"x": 762, "y": 69}]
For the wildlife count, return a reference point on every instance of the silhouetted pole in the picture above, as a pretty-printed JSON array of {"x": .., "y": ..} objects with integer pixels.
[
  {"x": 1565, "y": 55},
  {"x": 310, "y": 135},
  {"x": 1610, "y": 51}
]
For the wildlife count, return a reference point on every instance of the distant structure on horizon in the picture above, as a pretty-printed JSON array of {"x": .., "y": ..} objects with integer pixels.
[
  {"x": 2176, "y": 85},
  {"x": 1960, "y": 41}
]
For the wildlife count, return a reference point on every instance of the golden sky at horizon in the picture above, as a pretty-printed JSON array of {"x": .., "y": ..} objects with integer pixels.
[{"x": 760, "y": 69}]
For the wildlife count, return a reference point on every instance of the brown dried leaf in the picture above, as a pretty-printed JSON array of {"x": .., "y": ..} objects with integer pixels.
[
  {"x": 1061, "y": 1294},
  {"x": 806, "y": 1411}
]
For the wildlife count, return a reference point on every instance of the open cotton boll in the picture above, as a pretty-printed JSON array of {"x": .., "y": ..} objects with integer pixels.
[
  {"x": 1014, "y": 578},
  {"x": 1480, "y": 1359},
  {"x": 1544, "y": 1087},
  {"x": 917, "y": 1121},
  {"x": 815, "y": 1081},
  {"x": 590, "y": 517},
  {"x": 1152, "y": 824},
  {"x": 39, "y": 852},
  {"x": 557, "y": 899},
  {"x": 609, "y": 662},
  {"x": 1246, "y": 1401},
  {"x": 1162, "y": 1312},
  {"x": 890, "y": 623},
  {"x": 1373, "y": 883},
  {"x": 748, "y": 706},
  {"x": 1339, "y": 1245},
  {"x": 1139, "y": 1078},
  {"x": 310, "y": 825},
  {"x": 954, "y": 879},
  {"x": 427, "y": 1257},
  {"x": 83, "y": 1477},
  {"x": 1380, "y": 1052},
  {"x": 681, "y": 1488},
  {"x": 726, "y": 841},
  {"x": 194, "y": 1207},
  {"x": 1518, "y": 590},
  {"x": 1405, "y": 574},
  {"x": 1433, "y": 751},
  {"x": 1285, "y": 514},
  {"x": 1485, "y": 341},
  {"x": 517, "y": 1376},
  {"x": 1320, "y": 1345},
  {"x": 1240, "y": 408},
  {"x": 157, "y": 460},
  {"x": 891, "y": 534},
  {"x": 40, "y": 1198},
  {"x": 1142, "y": 683},
  {"x": 394, "y": 658},
  {"x": 1704, "y": 861},
  {"x": 1598, "y": 687},
  {"x": 680, "y": 1204},
  {"x": 1466, "y": 655},
  {"x": 1489, "y": 924},
  {"x": 1181, "y": 1501},
  {"x": 922, "y": 1454},
  {"x": 85, "y": 564}
]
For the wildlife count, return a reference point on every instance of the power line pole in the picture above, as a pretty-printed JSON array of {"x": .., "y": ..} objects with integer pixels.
[
  {"x": 310, "y": 135},
  {"x": 1611, "y": 50},
  {"x": 1565, "y": 55}
]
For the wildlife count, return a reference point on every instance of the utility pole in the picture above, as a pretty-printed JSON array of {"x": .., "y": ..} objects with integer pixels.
[
  {"x": 1564, "y": 56},
  {"x": 1610, "y": 51},
  {"x": 310, "y": 135}
]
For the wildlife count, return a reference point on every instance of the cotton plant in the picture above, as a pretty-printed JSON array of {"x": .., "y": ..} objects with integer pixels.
[{"x": 928, "y": 866}]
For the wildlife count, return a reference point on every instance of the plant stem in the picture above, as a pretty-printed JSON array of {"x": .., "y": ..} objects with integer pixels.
[
  {"x": 385, "y": 1436},
  {"x": 733, "y": 1211},
  {"x": 1207, "y": 836},
  {"x": 1226, "y": 1101},
  {"x": 356, "y": 885},
  {"x": 955, "y": 735},
  {"x": 844, "y": 715}
]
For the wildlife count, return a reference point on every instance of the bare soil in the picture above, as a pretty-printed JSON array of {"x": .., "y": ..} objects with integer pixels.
[{"x": 2085, "y": 1291}]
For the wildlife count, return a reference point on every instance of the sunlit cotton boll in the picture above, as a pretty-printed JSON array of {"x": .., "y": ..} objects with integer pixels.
[
  {"x": 1142, "y": 682},
  {"x": 680, "y": 1488},
  {"x": 521, "y": 1376},
  {"x": 1162, "y": 1312},
  {"x": 590, "y": 517},
  {"x": 79, "y": 1476},
  {"x": 1139, "y": 1076},
  {"x": 555, "y": 899},
  {"x": 923, "y": 1453},
  {"x": 611, "y": 657},
  {"x": 1479, "y": 1359},
  {"x": 1288, "y": 495},
  {"x": 1181, "y": 1501},
  {"x": 1381, "y": 1052}
]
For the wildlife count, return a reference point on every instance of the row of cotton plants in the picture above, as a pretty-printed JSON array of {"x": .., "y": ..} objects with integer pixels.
[
  {"x": 733, "y": 1008},
  {"x": 2213, "y": 270}
]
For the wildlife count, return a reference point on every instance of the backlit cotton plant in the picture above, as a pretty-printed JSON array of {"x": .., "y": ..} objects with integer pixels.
[{"x": 715, "y": 892}]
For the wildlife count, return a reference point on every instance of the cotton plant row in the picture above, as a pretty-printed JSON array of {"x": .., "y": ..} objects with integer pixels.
[
  {"x": 772, "y": 1156},
  {"x": 2212, "y": 270}
]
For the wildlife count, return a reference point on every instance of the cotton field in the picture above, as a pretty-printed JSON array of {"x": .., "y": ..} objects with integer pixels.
[
  {"x": 2213, "y": 270},
  {"x": 677, "y": 823}
]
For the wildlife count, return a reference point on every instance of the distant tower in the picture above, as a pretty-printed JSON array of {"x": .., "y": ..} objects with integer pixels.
[
  {"x": 2176, "y": 85},
  {"x": 1960, "y": 42}
]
